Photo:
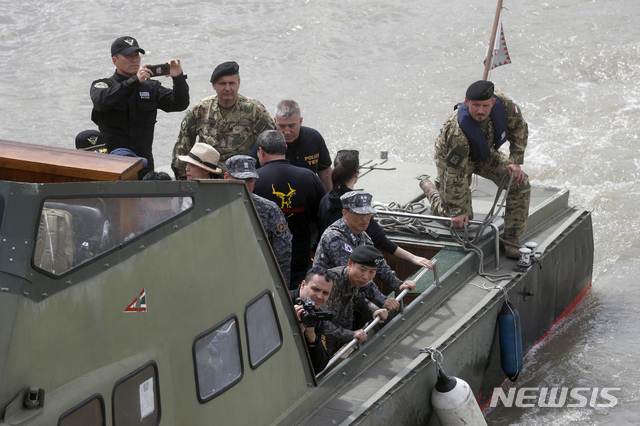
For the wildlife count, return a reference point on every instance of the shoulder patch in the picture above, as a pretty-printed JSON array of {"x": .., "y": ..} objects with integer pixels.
[
  {"x": 347, "y": 248},
  {"x": 101, "y": 85},
  {"x": 281, "y": 226},
  {"x": 456, "y": 156}
]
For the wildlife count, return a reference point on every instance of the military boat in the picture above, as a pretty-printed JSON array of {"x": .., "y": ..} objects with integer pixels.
[{"x": 127, "y": 302}]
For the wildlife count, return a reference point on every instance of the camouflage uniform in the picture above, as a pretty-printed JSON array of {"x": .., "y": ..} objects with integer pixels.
[
  {"x": 230, "y": 136},
  {"x": 335, "y": 246},
  {"x": 277, "y": 230},
  {"x": 342, "y": 302},
  {"x": 455, "y": 168}
]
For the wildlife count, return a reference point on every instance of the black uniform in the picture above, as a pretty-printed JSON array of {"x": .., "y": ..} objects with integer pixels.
[
  {"x": 317, "y": 351},
  {"x": 309, "y": 150},
  {"x": 125, "y": 111},
  {"x": 297, "y": 192}
]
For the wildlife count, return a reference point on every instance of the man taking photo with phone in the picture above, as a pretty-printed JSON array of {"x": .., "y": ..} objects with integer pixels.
[{"x": 125, "y": 105}]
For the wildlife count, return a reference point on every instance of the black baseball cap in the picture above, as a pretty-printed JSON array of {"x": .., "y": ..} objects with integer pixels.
[
  {"x": 125, "y": 46},
  {"x": 90, "y": 140}
]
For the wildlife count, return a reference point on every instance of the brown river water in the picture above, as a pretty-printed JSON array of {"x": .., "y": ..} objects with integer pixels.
[{"x": 383, "y": 75}]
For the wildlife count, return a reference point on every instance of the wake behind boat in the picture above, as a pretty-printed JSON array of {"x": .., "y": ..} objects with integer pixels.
[{"x": 111, "y": 318}]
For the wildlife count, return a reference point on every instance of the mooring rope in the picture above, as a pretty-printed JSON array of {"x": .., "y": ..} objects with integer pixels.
[{"x": 422, "y": 226}]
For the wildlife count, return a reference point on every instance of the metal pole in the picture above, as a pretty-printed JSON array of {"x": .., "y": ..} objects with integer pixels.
[{"x": 492, "y": 42}]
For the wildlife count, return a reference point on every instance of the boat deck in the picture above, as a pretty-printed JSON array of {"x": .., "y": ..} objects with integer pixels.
[{"x": 456, "y": 307}]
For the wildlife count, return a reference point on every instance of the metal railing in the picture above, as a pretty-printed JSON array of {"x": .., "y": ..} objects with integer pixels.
[
  {"x": 496, "y": 230},
  {"x": 376, "y": 320}
]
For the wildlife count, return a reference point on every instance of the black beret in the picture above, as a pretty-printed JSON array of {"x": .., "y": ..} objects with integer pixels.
[
  {"x": 225, "y": 68},
  {"x": 367, "y": 256},
  {"x": 481, "y": 90}
]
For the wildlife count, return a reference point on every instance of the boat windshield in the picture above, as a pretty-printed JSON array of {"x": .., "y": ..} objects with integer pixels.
[{"x": 73, "y": 231}]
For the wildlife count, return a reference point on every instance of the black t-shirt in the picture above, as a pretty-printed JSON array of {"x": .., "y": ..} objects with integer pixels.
[
  {"x": 309, "y": 150},
  {"x": 297, "y": 191}
]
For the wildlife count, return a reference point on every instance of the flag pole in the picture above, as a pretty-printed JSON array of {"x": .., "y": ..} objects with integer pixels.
[{"x": 492, "y": 42}]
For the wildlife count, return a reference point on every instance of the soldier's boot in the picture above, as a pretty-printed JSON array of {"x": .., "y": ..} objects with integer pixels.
[
  {"x": 429, "y": 189},
  {"x": 511, "y": 246}
]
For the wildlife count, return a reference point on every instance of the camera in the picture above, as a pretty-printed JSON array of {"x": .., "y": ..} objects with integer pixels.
[
  {"x": 157, "y": 70},
  {"x": 310, "y": 317}
]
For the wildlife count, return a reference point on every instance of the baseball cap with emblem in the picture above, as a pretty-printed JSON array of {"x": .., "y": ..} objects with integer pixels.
[
  {"x": 366, "y": 255},
  {"x": 242, "y": 167},
  {"x": 225, "y": 68},
  {"x": 358, "y": 202},
  {"x": 203, "y": 155},
  {"x": 125, "y": 46},
  {"x": 90, "y": 140}
]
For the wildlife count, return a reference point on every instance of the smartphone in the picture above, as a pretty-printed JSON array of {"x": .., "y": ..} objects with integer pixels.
[{"x": 162, "y": 69}]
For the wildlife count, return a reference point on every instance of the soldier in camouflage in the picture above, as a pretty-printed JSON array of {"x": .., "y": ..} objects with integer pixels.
[
  {"x": 273, "y": 220},
  {"x": 468, "y": 143},
  {"x": 227, "y": 121},
  {"x": 341, "y": 238},
  {"x": 347, "y": 297}
]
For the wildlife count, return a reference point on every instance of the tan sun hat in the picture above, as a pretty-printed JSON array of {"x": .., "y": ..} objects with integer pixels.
[{"x": 203, "y": 155}]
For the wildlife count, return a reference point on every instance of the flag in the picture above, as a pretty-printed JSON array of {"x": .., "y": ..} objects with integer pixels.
[{"x": 500, "y": 52}]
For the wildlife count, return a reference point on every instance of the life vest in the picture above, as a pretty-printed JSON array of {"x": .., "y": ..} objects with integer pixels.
[{"x": 477, "y": 141}]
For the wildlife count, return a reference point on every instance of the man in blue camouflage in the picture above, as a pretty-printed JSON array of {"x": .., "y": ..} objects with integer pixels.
[
  {"x": 468, "y": 143},
  {"x": 273, "y": 221},
  {"x": 340, "y": 239}
]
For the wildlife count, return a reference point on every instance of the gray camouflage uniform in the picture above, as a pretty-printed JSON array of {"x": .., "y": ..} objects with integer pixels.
[
  {"x": 342, "y": 302},
  {"x": 335, "y": 246},
  {"x": 454, "y": 177},
  {"x": 275, "y": 225},
  {"x": 230, "y": 136}
]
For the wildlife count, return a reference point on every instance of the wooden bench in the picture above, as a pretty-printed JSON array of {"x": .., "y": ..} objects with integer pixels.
[{"x": 21, "y": 162}]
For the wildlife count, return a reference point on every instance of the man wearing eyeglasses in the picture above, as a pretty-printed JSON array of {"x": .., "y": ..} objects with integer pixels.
[
  {"x": 341, "y": 238},
  {"x": 317, "y": 285}
]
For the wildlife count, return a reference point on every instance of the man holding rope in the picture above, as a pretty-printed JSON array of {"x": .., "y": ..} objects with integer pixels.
[{"x": 468, "y": 143}]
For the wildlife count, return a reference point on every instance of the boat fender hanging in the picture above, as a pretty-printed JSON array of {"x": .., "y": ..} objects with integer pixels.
[
  {"x": 454, "y": 403},
  {"x": 510, "y": 341}
]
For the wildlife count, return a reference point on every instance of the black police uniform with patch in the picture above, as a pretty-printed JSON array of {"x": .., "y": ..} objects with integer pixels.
[{"x": 125, "y": 110}]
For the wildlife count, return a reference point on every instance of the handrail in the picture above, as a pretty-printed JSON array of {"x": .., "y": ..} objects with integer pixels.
[
  {"x": 376, "y": 320},
  {"x": 496, "y": 230}
]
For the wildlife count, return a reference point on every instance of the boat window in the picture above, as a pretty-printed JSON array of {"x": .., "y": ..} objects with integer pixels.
[
  {"x": 88, "y": 413},
  {"x": 264, "y": 336},
  {"x": 74, "y": 231},
  {"x": 136, "y": 398},
  {"x": 218, "y": 359}
]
